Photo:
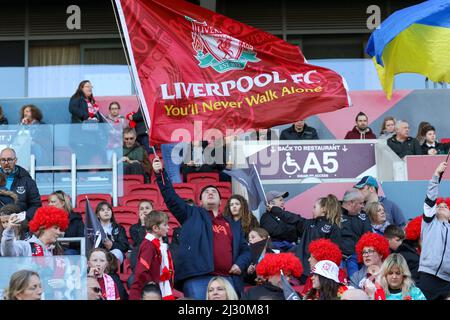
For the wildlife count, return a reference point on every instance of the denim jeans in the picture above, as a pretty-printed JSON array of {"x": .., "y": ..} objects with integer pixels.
[
  {"x": 350, "y": 264},
  {"x": 196, "y": 287}
]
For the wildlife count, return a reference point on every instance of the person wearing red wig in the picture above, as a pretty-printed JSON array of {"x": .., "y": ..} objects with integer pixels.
[
  {"x": 270, "y": 269},
  {"x": 434, "y": 265},
  {"x": 47, "y": 226},
  {"x": 324, "y": 249},
  {"x": 371, "y": 249},
  {"x": 410, "y": 247}
]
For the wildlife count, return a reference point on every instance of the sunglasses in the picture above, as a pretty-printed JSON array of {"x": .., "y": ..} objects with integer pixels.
[{"x": 96, "y": 289}]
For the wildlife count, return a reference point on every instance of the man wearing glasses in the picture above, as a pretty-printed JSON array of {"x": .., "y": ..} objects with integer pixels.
[{"x": 19, "y": 181}]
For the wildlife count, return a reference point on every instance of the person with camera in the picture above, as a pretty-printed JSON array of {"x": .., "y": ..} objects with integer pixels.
[{"x": 47, "y": 226}]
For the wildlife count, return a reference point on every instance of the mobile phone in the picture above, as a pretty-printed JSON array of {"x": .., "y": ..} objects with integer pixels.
[{"x": 21, "y": 216}]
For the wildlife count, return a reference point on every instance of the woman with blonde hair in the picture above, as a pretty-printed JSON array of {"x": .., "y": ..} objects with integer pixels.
[
  {"x": 24, "y": 285},
  {"x": 395, "y": 279},
  {"x": 220, "y": 288},
  {"x": 60, "y": 199},
  {"x": 326, "y": 223}
]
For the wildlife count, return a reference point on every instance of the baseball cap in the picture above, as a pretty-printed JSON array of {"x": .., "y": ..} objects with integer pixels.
[
  {"x": 367, "y": 180},
  {"x": 327, "y": 269},
  {"x": 275, "y": 194}
]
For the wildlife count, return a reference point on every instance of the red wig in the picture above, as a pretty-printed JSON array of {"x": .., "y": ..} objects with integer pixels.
[
  {"x": 47, "y": 217},
  {"x": 446, "y": 200},
  {"x": 370, "y": 239},
  {"x": 413, "y": 228},
  {"x": 272, "y": 263},
  {"x": 325, "y": 249}
]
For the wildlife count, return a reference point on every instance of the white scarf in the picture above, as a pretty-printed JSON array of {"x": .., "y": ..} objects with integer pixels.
[{"x": 164, "y": 286}]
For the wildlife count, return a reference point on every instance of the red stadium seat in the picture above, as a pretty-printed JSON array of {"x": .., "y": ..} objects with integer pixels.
[
  {"x": 445, "y": 140},
  {"x": 44, "y": 200},
  {"x": 94, "y": 199},
  {"x": 128, "y": 211},
  {"x": 150, "y": 191},
  {"x": 131, "y": 179},
  {"x": 126, "y": 222},
  {"x": 185, "y": 190},
  {"x": 203, "y": 177},
  {"x": 133, "y": 200}
]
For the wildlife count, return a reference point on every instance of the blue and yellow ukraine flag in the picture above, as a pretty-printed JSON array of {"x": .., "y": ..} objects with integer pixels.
[{"x": 413, "y": 40}]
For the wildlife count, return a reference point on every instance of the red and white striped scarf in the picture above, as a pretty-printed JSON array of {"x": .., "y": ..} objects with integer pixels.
[
  {"x": 109, "y": 287},
  {"x": 166, "y": 266}
]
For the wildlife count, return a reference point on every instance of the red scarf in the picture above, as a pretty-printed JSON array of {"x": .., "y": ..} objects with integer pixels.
[
  {"x": 166, "y": 267},
  {"x": 92, "y": 108}
]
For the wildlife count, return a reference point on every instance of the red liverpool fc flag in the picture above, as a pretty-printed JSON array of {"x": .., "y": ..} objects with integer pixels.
[{"x": 198, "y": 71}]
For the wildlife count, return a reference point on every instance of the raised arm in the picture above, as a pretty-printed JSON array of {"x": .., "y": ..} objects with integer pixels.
[
  {"x": 10, "y": 247},
  {"x": 174, "y": 203},
  {"x": 429, "y": 206}
]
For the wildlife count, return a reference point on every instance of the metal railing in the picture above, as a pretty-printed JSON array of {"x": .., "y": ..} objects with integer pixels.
[{"x": 74, "y": 168}]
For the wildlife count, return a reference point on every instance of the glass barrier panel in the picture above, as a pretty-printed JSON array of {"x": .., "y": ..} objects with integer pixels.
[{"x": 62, "y": 277}]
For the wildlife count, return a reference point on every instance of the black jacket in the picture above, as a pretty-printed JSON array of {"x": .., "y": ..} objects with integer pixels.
[
  {"x": 441, "y": 148},
  {"x": 410, "y": 147},
  {"x": 314, "y": 229},
  {"x": 79, "y": 109},
  {"x": 308, "y": 133},
  {"x": 141, "y": 129},
  {"x": 75, "y": 229},
  {"x": 282, "y": 225},
  {"x": 4, "y": 120},
  {"x": 412, "y": 257},
  {"x": 137, "y": 233},
  {"x": 352, "y": 228},
  {"x": 265, "y": 290},
  {"x": 76, "y": 226},
  {"x": 27, "y": 191},
  {"x": 119, "y": 238}
]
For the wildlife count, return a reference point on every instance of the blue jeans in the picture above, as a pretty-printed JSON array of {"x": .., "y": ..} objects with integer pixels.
[
  {"x": 196, "y": 287},
  {"x": 350, "y": 264}
]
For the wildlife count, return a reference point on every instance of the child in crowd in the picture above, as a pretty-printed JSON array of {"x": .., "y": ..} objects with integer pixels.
[
  {"x": 326, "y": 223},
  {"x": 151, "y": 291},
  {"x": 137, "y": 230},
  {"x": 97, "y": 263},
  {"x": 395, "y": 236},
  {"x": 117, "y": 242},
  {"x": 260, "y": 244},
  {"x": 154, "y": 262},
  {"x": 410, "y": 247}
]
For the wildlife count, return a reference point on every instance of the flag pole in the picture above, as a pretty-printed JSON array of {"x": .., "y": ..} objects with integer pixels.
[
  {"x": 446, "y": 160},
  {"x": 134, "y": 73},
  {"x": 259, "y": 181}
]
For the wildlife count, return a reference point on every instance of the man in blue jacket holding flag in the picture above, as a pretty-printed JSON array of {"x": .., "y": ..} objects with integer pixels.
[{"x": 210, "y": 244}]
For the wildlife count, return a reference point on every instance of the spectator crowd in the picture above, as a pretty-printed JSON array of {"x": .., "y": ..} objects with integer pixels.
[{"x": 358, "y": 247}]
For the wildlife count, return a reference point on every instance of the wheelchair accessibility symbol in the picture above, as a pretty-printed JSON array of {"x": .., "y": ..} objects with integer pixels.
[{"x": 290, "y": 166}]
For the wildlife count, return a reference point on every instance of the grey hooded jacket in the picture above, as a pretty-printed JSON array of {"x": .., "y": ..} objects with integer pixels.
[
  {"x": 10, "y": 247},
  {"x": 435, "y": 235}
]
